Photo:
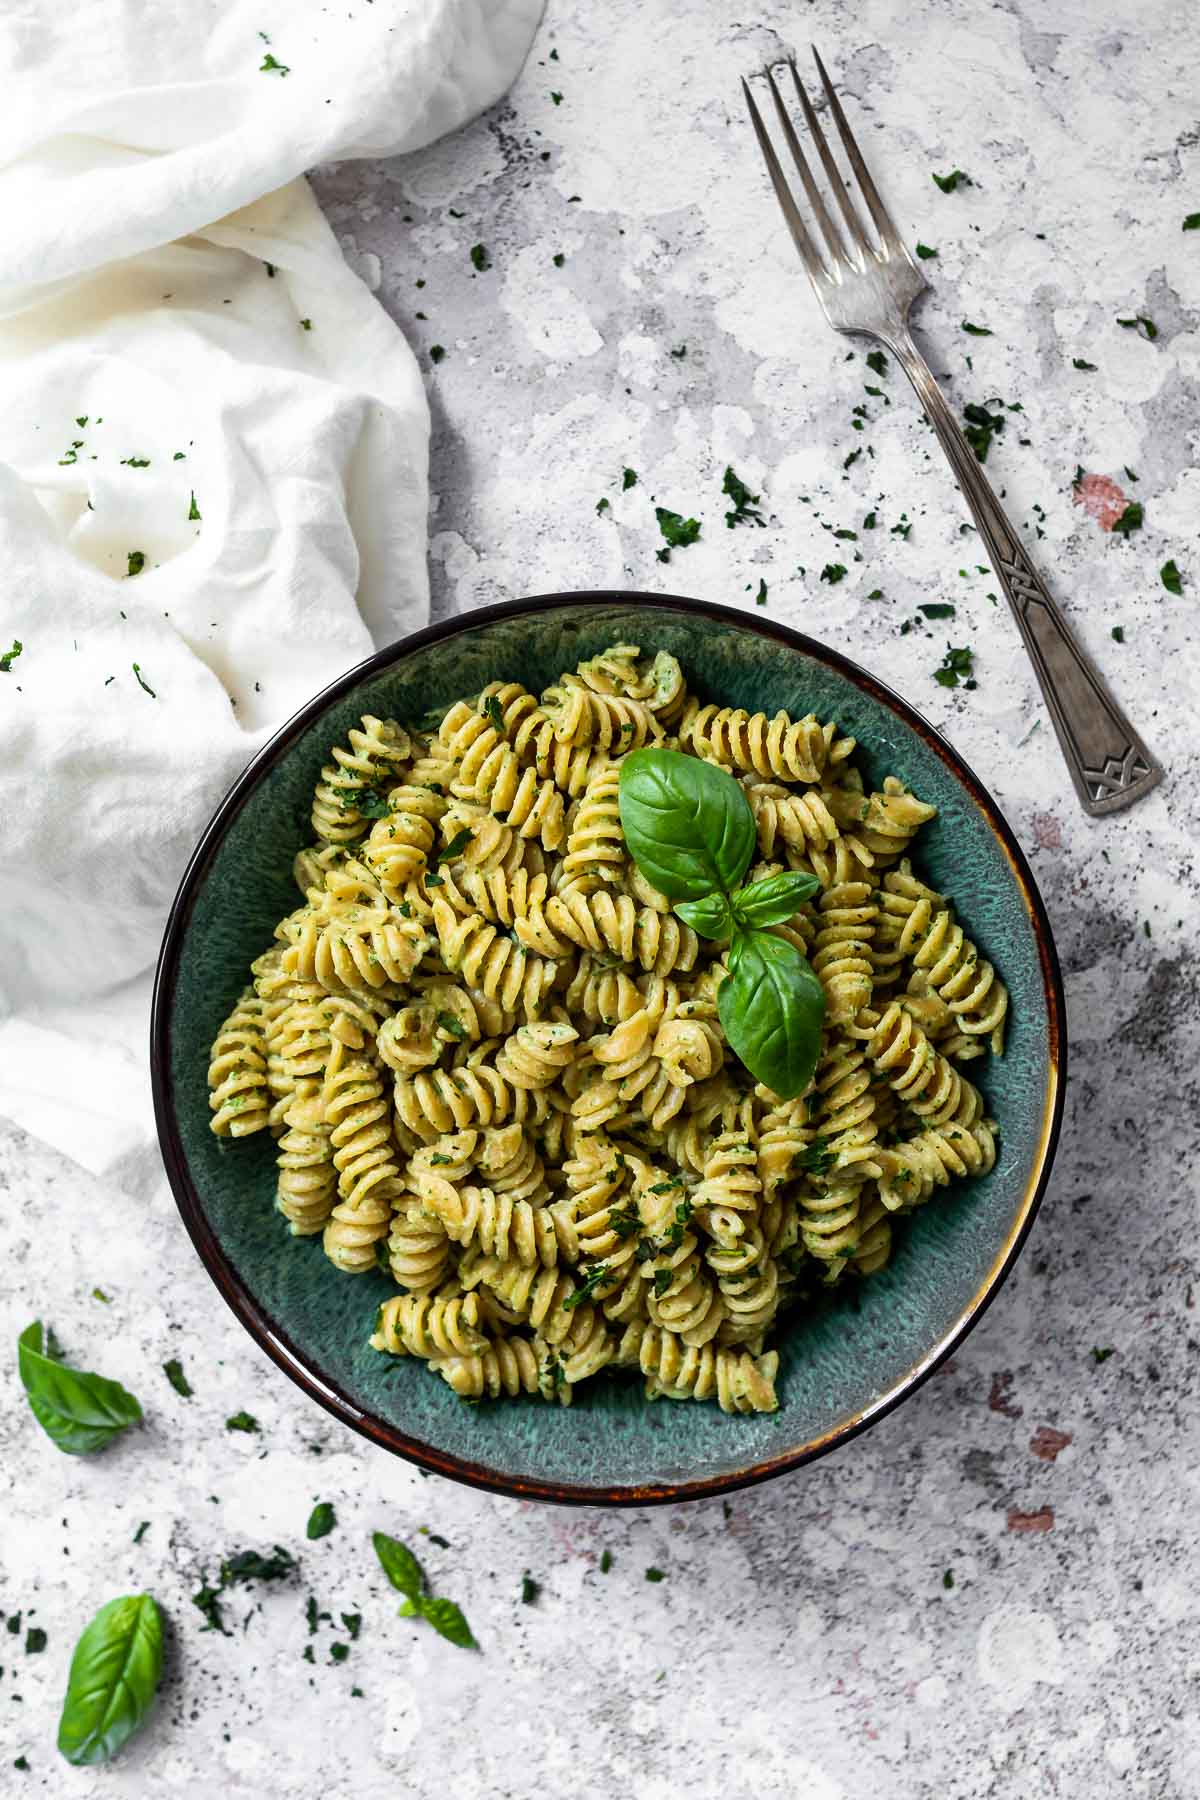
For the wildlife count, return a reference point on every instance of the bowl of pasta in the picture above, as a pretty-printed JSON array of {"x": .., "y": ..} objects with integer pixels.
[{"x": 608, "y": 1048}]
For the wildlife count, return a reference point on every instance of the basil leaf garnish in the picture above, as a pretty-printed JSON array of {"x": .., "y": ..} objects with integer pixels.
[
  {"x": 687, "y": 824},
  {"x": 775, "y": 900},
  {"x": 80, "y": 1412},
  {"x": 711, "y": 916},
  {"x": 399, "y": 1564},
  {"x": 114, "y": 1676},
  {"x": 771, "y": 1006},
  {"x": 447, "y": 1618}
]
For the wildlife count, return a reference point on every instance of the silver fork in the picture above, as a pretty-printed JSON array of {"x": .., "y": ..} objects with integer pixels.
[{"x": 867, "y": 289}]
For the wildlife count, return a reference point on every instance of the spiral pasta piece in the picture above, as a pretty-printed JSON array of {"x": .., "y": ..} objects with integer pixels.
[
  {"x": 418, "y": 1250},
  {"x": 782, "y": 748},
  {"x": 799, "y": 822},
  {"x": 368, "y": 1178},
  {"x": 740, "y": 1383},
  {"x": 842, "y": 957},
  {"x": 537, "y": 1054},
  {"x": 237, "y": 1073},
  {"x": 373, "y": 756},
  {"x": 398, "y": 847},
  {"x": 307, "y": 1176},
  {"x": 922, "y": 1077},
  {"x": 490, "y": 771},
  {"x": 969, "y": 986},
  {"x": 501, "y": 1226},
  {"x": 845, "y": 1148},
  {"x": 486, "y": 959},
  {"x": 595, "y": 854},
  {"x": 658, "y": 942},
  {"x": 911, "y": 1169},
  {"x": 506, "y": 1365},
  {"x": 429, "y": 1325}
]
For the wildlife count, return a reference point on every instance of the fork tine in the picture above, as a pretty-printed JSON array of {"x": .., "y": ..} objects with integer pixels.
[
  {"x": 832, "y": 235},
  {"x": 783, "y": 192},
  {"x": 870, "y": 193},
  {"x": 849, "y": 210}
]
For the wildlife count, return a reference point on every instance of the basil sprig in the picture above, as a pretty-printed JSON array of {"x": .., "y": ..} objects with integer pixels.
[
  {"x": 408, "y": 1578},
  {"x": 114, "y": 1677},
  {"x": 690, "y": 830},
  {"x": 80, "y": 1412}
]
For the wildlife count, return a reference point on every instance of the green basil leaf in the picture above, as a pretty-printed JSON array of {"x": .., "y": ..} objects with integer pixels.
[
  {"x": 114, "y": 1676},
  {"x": 773, "y": 901},
  {"x": 447, "y": 1619},
  {"x": 399, "y": 1564},
  {"x": 321, "y": 1520},
  {"x": 771, "y": 1006},
  {"x": 687, "y": 824},
  {"x": 710, "y": 916},
  {"x": 78, "y": 1411}
]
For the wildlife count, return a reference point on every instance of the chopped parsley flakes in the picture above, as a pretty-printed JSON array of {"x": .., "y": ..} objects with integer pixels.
[
  {"x": 142, "y": 682},
  {"x": 956, "y": 665},
  {"x": 628, "y": 479},
  {"x": 1118, "y": 634},
  {"x": 137, "y": 562},
  {"x": 1169, "y": 575},
  {"x": 677, "y": 531},
  {"x": 1077, "y": 362},
  {"x": 10, "y": 656},
  {"x": 955, "y": 179},
  {"x": 479, "y": 257},
  {"x": 833, "y": 573},
  {"x": 745, "y": 504},
  {"x": 268, "y": 66},
  {"x": 436, "y": 353},
  {"x": 980, "y": 428},
  {"x": 1130, "y": 519},
  {"x": 173, "y": 1371},
  {"x": 1146, "y": 327},
  {"x": 976, "y": 330},
  {"x": 925, "y": 251},
  {"x": 241, "y": 1421}
]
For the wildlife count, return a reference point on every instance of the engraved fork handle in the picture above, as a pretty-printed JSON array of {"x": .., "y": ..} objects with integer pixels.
[{"x": 1110, "y": 765}]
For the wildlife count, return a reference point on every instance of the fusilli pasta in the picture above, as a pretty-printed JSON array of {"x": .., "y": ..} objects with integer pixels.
[{"x": 492, "y": 1056}]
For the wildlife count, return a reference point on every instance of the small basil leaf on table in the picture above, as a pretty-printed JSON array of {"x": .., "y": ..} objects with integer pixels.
[
  {"x": 771, "y": 1006},
  {"x": 447, "y": 1618},
  {"x": 710, "y": 916},
  {"x": 80, "y": 1412},
  {"x": 114, "y": 1676},
  {"x": 687, "y": 824},
  {"x": 775, "y": 900},
  {"x": 399, "y": 1564}
]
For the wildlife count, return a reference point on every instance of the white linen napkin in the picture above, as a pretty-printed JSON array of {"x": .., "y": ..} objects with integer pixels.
[{"x": 213, "y": 449}]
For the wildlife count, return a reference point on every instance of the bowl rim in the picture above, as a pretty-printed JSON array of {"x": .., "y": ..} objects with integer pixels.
[{"x": 273, "y": 1339}]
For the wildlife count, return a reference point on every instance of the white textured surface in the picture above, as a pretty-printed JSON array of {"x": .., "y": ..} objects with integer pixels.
[{"x": 803, "y": 1643}]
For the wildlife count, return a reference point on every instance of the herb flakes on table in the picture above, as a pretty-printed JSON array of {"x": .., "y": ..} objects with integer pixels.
[
  {"x": 745, "y": 504},
  {"x": 677, "y": 531},
  {"x": 1129, "y": 520},
  {"x": 956, "y": 666},
  {"x": 1170, "y": 577}
]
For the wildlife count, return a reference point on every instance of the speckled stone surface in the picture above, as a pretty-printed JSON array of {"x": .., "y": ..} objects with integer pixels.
[{"x": 805, "y": 1641}]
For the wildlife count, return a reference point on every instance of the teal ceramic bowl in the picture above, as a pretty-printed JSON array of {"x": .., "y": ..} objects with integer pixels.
[{"x": 841, "y": 1367}]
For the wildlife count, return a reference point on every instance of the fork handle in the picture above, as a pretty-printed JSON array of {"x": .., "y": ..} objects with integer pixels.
[{"x": 1110, "y": 765}]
